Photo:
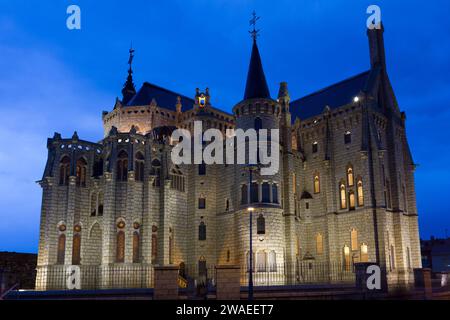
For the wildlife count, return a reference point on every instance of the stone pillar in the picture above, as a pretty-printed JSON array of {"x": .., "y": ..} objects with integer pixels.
[
  {"x": 422, "y": 280},
  {"x": 228, "y": 286},
  {"x": 166, "y": 282}
]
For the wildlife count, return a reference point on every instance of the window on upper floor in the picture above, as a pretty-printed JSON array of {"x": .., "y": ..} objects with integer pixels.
[
  {"x": 360, "y": 191},
  {"x": 348, "y": 137},
  {"x": 319, "y": 244},
  {"x": 244, "y": 194},
  {"x": 201, "y": 203},
  {"x": 260, "y": 225},
  {"x": 350, "y": 176},
  {"x": 275, "y": 193},
  {"x": 122, "y": 166},
  {"x": 64, "y": 171},
  {"x": 265, "y": 187},
  {"x": 316, "y": 183},
  {"x": 202, "y": 231},
  {"x": 254, "y": 192},
  {"x": 139, "y": 167},
  {"x": 354, "y": 239},
  {"x": 315, "y": 147},
  {"x": 343, "y": 195},
  {"x": 351, "y": 200},
  {"x": 81, "y": 172}
]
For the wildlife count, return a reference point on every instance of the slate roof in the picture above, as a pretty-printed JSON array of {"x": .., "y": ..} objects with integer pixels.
[
  {"x": 256, "y": 86},
  {"x": 334, "y": 96},
  {"x": 164, "y": 98}
]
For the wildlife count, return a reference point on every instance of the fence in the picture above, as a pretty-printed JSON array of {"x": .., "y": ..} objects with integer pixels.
[
  {"x": 58, "y": 277},
  {"x": 305, "y": 272}
]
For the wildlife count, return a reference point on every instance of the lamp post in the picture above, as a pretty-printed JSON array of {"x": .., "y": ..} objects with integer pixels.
[{"x": 250, "y": 210}]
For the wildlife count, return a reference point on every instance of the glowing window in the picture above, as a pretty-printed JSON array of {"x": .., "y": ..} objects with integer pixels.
[{"x": 319, "y": 244}]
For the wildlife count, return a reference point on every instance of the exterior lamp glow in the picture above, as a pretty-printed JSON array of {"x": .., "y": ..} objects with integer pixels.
[{"x": 356, "y": 99}]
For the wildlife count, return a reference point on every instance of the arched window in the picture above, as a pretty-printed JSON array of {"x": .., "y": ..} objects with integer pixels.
[
  {"x": 315, "y": 147},
  {"x": 202, "y": 270},
  {"x": 100, "y": 204},
  {"x": 272, "y": 261},
  {"x": 360, "y": 192},
  {"x": 350, "y": 176},
  {"x": 343, "y": 195},
  {"x": 254, "y": 192},
  {"x": 154, "y": 247},
  {"x": 93, "y": 204},
  {"x": 120, "y": 247},
  {"x": 261, "y": 225},
  {"x": 76, "y": 249},
  {"x": 136, "y": 247},
  {"x": 81, "y": 172},
  {"x": 244, "y": 194},
  {"x": 98, "y": 167},
  {"x": 64, "y": 171},
  {"x": 261, "y": 259},
  {"x": 364, "y": 253},
  {"x": 351, "y": 200},
  {"x": 354, "y": 239},
  {"x": 319, "y": 244},
  {"x": 275, "y": 193},
  {"x": 348, "y": 137},
  {"x": 122, "y": 166},
  {"x": 61, "y": 249},
  {"x": 347, "y": 262},
  {"x": 139, "y": 167},
  {"x": 265, "y": 192},
  {"x": 202, "y": 231},
  {"x": 316, "y": 183}
]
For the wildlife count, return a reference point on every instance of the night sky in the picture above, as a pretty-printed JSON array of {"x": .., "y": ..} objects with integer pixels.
[{"x": 54, "y": 79}]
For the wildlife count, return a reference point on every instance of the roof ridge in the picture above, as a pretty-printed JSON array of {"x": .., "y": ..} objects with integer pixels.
[
  {"x": 146, "y": 83},
  {"x": 333, "y": 85}
]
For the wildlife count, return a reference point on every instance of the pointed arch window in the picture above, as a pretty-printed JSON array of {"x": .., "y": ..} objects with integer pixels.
[
  {"x": 81, "y": 172},
  {"x": 76, "y": 249},
  {"x": 254, "y": 192},
  {"x": 120, "y": 247},
  {"x": 154, "y": 247},
  {"x": 343, "y": 195},
  {"x": 316, "y": 183},
  {"x": 122, "y": 166},
  {"x": 202, "y": 270},
  {"x": 351, "y": 200},
  {"x": 93, "y": 204},
  {"x": 319, "y": 244},
  {"x": 275, "y": 193},
  {"x": 202, "y": 231},
  {"x": 315, "y": 147},
  {"x": 364, "y": 253},
  {"x": 347, "y": 262},
  {"x": 139, "y": 167},
  {"x": 261, "y": 225},
  {"x": 354, "y": 239},
  {"x": 272, "y": 261},
  {"x": 348, "y": 137},
  {"x": 61, "y": 249},
  {"x": 261, "y": 260},
  {"x": 350, "y": 176},
  {"x": 360, "y": 192},
  {"x": 64, "y": 171},
  {"x": 136, "y": 246},
  {"x": 265, "y": 187},
  {"x": 244, "y": 194}
]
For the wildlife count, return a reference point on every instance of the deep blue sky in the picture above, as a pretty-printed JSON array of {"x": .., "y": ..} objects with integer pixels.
[{"x": 53, "y": 79}]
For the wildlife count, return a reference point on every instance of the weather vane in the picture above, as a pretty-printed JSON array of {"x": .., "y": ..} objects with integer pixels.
[
  {"x": 130, "y": 60},
  {"x": 255, "y": 31}
]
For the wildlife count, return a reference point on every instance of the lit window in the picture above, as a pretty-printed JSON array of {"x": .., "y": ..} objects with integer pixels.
[
  {"x": 360, "y": 193},
  {"x": 351, "y": 200},
  {"x": 347, "y": 262},
  {"x": 316, "y": 183},
  {"x": 343, "y": 196},
  {"x": 354, "y": 239},
  {"x": 350, "y": 176},
  {"x": 319, "y": 244},
  {"x": 364, "y": 253}
]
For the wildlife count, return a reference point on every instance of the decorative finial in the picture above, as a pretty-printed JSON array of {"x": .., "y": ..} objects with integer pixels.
[
  {"x": 255, "y": 31},
  {"x": 130, "y": 59}
]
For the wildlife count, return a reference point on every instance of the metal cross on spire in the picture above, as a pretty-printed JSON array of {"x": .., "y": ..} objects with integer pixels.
[{"x": 255, "y": 31}]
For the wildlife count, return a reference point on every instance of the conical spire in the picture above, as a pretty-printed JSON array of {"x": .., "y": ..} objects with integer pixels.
[
  {"x": 256, "y": 86},
  {"x": 129, "y": 89}
]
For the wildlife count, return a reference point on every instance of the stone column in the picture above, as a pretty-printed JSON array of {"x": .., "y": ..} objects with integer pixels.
[
  {"x": 166, "y": 282},
  {"x": 228, "y": 286}
]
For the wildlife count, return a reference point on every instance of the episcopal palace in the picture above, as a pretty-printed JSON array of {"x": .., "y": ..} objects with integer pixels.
[{"x": 344, "y": 191}]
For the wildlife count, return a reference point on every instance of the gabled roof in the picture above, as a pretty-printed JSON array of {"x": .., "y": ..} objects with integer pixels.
[
  {"x": 334, "y": 96},
  {"x": 256, "y": 86},
  {"x": 164, "y": 98}
]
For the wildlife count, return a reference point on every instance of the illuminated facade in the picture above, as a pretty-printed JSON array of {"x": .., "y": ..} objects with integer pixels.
[{"x": 344, "y": 192}]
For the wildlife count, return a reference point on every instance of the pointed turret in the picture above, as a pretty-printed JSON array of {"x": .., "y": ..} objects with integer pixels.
[
  {"x": 256, "y": 86},
  {"x": 129, "y": 90}
]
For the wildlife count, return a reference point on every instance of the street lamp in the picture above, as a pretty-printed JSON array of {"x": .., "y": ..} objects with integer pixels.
[{"x": 250, "y": 210}]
